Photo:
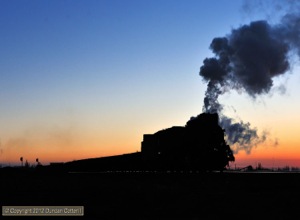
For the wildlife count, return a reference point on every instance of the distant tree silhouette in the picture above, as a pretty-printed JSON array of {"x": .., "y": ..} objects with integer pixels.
[
  {"x": 21, "y": 159},
  {"x": 38, "y": 162},
  {"x": 27, "y": 164}
]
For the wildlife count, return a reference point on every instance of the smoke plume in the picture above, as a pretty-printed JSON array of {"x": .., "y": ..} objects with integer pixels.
[{"x": 248, "y": 60}]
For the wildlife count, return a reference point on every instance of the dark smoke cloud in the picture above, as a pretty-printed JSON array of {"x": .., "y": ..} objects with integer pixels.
[
  {"x": 289, "y": 31},
  {"x": 241, "y": 135},
  {"x": 211, "y": 103},
  {"x": 248, "y": 60},
  {"x": 269, "y": 8}
]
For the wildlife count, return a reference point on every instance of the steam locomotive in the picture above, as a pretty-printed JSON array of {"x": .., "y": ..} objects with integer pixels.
[{"x": 198, "y": 146}]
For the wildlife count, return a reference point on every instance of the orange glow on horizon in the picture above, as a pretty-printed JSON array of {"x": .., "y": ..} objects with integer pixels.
[
  {"x": 272, "y": 156},
  {"x": 76, "y": 147}
]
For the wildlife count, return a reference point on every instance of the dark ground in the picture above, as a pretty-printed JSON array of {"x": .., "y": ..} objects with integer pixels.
[{"x": 158, "y": 195}]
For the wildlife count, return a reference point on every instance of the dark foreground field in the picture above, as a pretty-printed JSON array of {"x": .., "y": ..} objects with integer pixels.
[{"x": 158, "y": 195}]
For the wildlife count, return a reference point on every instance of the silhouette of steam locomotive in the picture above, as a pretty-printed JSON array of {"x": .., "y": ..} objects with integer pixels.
[{"x": 199, "y": 145}]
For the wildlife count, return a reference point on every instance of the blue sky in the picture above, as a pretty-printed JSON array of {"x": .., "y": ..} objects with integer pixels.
[{"x": 103, "y": 73}]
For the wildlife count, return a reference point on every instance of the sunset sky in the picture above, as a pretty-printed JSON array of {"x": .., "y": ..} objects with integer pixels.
[{"x": 83, "y": 78}]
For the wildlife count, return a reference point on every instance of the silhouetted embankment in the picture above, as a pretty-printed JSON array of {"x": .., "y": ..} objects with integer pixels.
[{"x": 160, "y": 195}]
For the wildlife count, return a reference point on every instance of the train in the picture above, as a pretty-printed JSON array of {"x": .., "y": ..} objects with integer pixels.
[{"x": 198, "y": 146}]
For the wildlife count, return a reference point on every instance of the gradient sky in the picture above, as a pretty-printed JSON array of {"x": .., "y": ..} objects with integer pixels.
[{"x": 83, "y": 78}]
